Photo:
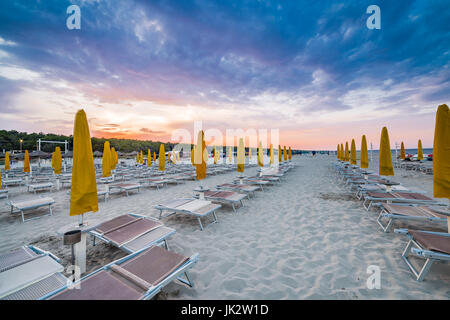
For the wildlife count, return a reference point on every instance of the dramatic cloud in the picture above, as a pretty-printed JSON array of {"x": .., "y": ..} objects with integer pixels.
[{"x": 145, "y": 68}]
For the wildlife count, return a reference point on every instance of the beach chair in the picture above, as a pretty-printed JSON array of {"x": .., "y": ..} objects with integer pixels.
[
  {"x": 400, "y": 197},
  {"x": 253, "y": 181},
  {"x": 408, "y": 212},
  {"x": 427, "y": 245},
  {"x": 242, "y": 188},
  {"x": 363, "y": 188},
  {"x": 39, "y": 187},
  {"x": 227, "y": 197},
  {"x": 28, "y": 273},
  {"x": 138, "y": 276},
  {"x": 125, "y": 187},
  {"x": 189, "y": 206},
  {"x": 12, "y": 182},
  {"x": 132, "y": 232},
  {"x": 3, "y": 193},
  {"x": 26, "y": 205},
  {"x": 154, "y": 182}
]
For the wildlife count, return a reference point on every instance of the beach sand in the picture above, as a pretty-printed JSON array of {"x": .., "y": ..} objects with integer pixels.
[{"x": 306, "y": 238}]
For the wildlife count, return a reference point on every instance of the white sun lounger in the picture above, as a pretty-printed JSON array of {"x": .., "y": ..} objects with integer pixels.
[
  {"x": 39, "y": 186},
  {"x": 138, "y": 276},
  {"x": 427, "y": 245},
  {"x": 28, "y": 273},
  {"x": 12, "y": 182},
  {"x": 125, "y": 187},
  {"x": 26, "y": 205},
  {"x": 132, "y": 232},
  {"x": 190, "y": 206},
  {"x": 227, "y": 197}
]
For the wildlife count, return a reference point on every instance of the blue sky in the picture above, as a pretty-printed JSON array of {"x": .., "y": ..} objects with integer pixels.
[{"x": 309, "y": 68}]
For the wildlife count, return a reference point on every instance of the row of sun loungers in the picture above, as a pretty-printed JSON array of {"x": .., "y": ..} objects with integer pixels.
[{"x": 396, "y": 202}]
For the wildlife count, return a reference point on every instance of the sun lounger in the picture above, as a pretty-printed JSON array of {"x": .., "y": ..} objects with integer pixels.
[
  {"x": 12, "y": 182},
  {"x": 400, "y": 197},
  {"x": 137, "y": 276},
  {"x": 132, "y": 232},
  {"x": 29, "y": 273},
  {"x": 189, "y": 206},
  {"x": 154, "y": 182},
  {"x": 3, "y": 193},
  {"x": 40, "y": 186},
  {"x": 254, "y": 181},
  {"x": 431, "y": 246},
  {"x": 408, "y": 213},
  {"x": 361, "y": 189},
  {"x": 125, "y": 187},
  {"x": 228, "y": 197},
  {"x": 243, "y": 188},
  {"x": 26, "y": 205}
]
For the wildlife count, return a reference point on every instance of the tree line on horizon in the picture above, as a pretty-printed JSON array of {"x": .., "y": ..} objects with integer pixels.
[{"x": 10, "y": 140}]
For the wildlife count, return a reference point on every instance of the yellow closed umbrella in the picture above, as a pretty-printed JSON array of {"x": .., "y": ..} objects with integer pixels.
[
  {"x": 168, "y": 157},
  {"x": 53, "y": 160},
  {"x": 7, "y": 163},
  {"x": 113, "y": 158},
  {"x": 58, "y": 161},
  {"x": 338, "y": 152},
  {"x": 249, "y": 153},
  {"x": 200, "y": 156},
  {"x": 149, "y": 158},
  {"x": 441, "y": 155},
  {"x": 271, "y": 154},
  {"x": 364, "y": 153},
  {"x": 290, "y": 154},
  {"x": 240, "y": 156},
  {"x": 26, "y": 162},
  {"x": 284, "y": 154},
  {"x": 419, "y": 150},
  {"x": 230, "y": 155},
  {"x": 346, "y": 152},
  {"x": 260, "y": 155},
  {"x": 215, "y": 155},
  {"x": 83, "y": 192},
  {"x": 385, "y": 158},
  {"x": 402, "y": 152},
  {"x": 342, "y": 152},
  {"x": 142, "y": 158},
  {"x": 106, "y": 160},
  {"x": 154, "y": 156},
  {"x": 353, "y": 152},
  {"x": 162, "y": 158},
  {"x": 279, "y": 154},
  {"x": 192, "y": 154}
]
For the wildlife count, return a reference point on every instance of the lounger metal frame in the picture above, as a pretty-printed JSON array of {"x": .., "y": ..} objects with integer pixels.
[{"x": 30, "y": 208}]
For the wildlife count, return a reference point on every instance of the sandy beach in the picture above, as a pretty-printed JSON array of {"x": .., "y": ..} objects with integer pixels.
[{"x": 305, "y": 238}]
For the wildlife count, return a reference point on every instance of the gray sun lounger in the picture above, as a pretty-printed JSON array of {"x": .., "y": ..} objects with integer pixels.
[
  {"x": 39, "y": 186},
  {"x": 396, "y": 197},
  {"x": 3, "y": 193},
  {"x": 138, "y": 276},
  {"x": 427, "y": 245},
  {"x": 28, "y": 273},
  {"x": 12, "y": 182},
  {"x": 242, "y": 188},
  {"x": 408, "y": 212},
  {"x": 125, "y": 187},
  {"x": 189, "y": 206},
  {"x": 26, "y": 205},
  {"x": 154, "y": 182},
  {"x": 227, "y": 197},
  {"x": 132, "y": 232}
]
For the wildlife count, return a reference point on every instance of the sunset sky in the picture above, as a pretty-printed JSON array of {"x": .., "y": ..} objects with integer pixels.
[{"x": 312, "y": 69}]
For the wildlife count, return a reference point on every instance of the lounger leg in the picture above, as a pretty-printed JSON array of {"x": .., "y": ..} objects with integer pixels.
[
  {"x": 23, "y": 218},
  {"x": 166, "y": 245},
  {"x": 200, "y": 222},
  {"x": 50, "y": 209},
  {"x": 388, "y": 226},
  {"x": 186, "y": 281},
  {"x": 425, "y": 269},
  {"x": 242, "y": 204},
  {"x": 419, "y": 275},
  {"x": 234, "y": 209}
]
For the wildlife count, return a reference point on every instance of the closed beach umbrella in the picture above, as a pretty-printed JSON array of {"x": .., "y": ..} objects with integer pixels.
[
  {"x": 154, "y": 156},
  {"x": 353, "y": 152},
  {"x": 149, "y": 158},
  {"x": 192, "y": 154},
  {"x": 284, "y": 154},
  {"x": 83, "y": 192},
  {"x": 279, "y": 154},
  {"x": 241, "y": 156},
  {"x": 346, "y": 152},
  {"x": 271, "y": 154},
  {"x": 162, "y": 158},
  {"x": 385, "y": 159},
  {"x": 113, "y": 158},
  {"x": 106, "y": 160},
  {"x": 200, "y": 156},
  {"x": 53, "y": 160},
  {"x": 290, "y": 154},
  {"x": 249, "y": 153},
  {"x": 441, "y": 153},
  {"x": 7, "y": 163},
  {"x": 402, "y": 152},
  {"x": 26, "y": 162},
  {"x": 215, "y": 155},
  {"x": 142, "y": 158},
  {"x": 342, "y": 152},
  {"x": 260, "y": 155},
  {"x": 338, "y": 152},
  {"x": 58, "y": 160},
  {"x": 419, "y": 151},
  {"x": 230, "y": 155},
  {"x": 364, "y": 153},
  {"x": 168, "y": 156}
]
